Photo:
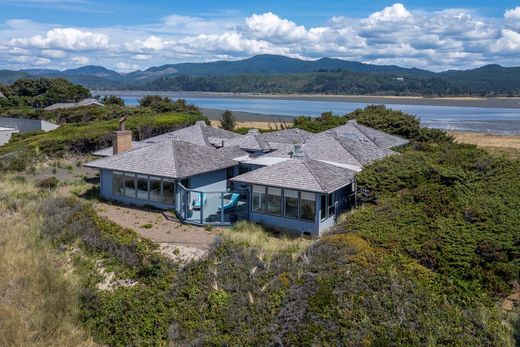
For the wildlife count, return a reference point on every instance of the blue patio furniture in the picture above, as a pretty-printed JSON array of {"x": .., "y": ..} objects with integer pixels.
[
  {"x": 197, "y": 203},
  {"x": 233, "y": 202}
]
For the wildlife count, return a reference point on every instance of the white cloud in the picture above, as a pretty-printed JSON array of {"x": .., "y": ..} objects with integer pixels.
[
  {"x": 65, "y": 38},
  {"x": 270, "y": 27},
  {"x": 437, "y": 40},
  {"x": 395, "y": 13},
  {"x": 142, "y": 57},
  {"x": 80, "y": 60},
  {"x": 126, "y": 67},
  {"x": 53, "y": 53}
]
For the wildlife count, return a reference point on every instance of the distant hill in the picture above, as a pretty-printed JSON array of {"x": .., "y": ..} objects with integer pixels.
[
  {"x": 279, "y": 74},
  {"x": 275, "y": 65}
]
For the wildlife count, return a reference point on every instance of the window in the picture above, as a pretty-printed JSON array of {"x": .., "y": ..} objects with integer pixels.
[
  {"x": 130, "y": 185},
  {"x": 117, "y": 183},
  {"x": 323, "y": 207},
  {"x": 168, "y": 191},
  {"x": 291, "y": 203},
  {"x": 244, "y": 169},
  {"x": 332, "y": 204},
  {"x": 274, "y": 201},
  {"x": 155, "y": 189},
  {"x": 258, "y": 199},
  {"x": 230, "y": 172},
  {"x": 142, "y": 187},
  {"x": 307, "y": 206},
  {"x": 186, "y": 183}
]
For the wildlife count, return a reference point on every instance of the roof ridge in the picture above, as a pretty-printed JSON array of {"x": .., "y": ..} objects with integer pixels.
[
  {"x": 337, "y": 139},
  {"x": 304, "y": 161},
  {"x": 175, "y": 159}
]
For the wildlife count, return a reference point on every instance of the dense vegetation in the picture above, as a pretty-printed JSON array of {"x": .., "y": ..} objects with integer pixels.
[
  {"x": 84, "y": 138},
  {"x": 426, "y": 260},
  {"x": 41, "y": 92}
]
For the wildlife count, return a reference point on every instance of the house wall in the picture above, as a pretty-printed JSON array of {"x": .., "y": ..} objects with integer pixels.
[
  {"x": 316, "y": 228},
  {"x": 27, "y": 125},
  {"x": 214, "y": 181},
  {"x": 5, "y": 136}
]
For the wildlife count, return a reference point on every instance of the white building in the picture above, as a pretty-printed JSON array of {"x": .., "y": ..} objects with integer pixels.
[{"x": 6, "y": 133}]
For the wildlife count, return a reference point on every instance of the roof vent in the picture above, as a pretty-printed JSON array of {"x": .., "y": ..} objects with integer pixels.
[
  {"x": 352, "y": 121},
  {"x": 254, "y": 132},
  {"x": 200, "y": 122},
  {"x": 330, "y": 132}
]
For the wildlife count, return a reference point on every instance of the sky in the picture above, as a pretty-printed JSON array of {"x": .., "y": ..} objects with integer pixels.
[{"x": 131, "y": 35}]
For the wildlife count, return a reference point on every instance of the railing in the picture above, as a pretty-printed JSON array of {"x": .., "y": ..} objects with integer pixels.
[{"x": 216, "y": 208}]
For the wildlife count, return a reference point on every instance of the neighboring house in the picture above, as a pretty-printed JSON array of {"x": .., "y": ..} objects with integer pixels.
[
  {"x": 6, "y": 133},
  {"x": 24, "y": 125},
  {"x": 289, "y": 180},
  {"x": 66, "y": 105}
]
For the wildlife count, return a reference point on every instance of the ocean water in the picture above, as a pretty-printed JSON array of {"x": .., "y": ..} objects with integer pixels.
[{"x": 493, "y": 120}]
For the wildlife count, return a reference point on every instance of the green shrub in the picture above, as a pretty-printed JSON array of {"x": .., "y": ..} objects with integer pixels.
[{"x": 48, "y": 183}]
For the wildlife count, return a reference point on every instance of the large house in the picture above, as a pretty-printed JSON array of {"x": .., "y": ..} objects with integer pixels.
[{"x": 289, "y": 180}]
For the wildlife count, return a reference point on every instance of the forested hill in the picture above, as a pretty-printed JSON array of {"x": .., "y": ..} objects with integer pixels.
[{"x": 279, "y": 74}]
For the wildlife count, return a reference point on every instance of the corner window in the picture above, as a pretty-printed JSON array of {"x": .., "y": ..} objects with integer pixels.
[
  {"x": 258, "y": 199},
  {"x": 307, "y": 206},
  {"x": 155, "y": 189},
  {"x": 290, "y": 203},
  {"x": 274, "y": 201},
  {"x": 142, "y": 187},
  {"x": 332, "y": 204},
  {"x": 230, "y": 173},
  {"x": 130, "y": 190},
  {"x": 117, "y": 183},
  {"x": 168, "y": 191}
]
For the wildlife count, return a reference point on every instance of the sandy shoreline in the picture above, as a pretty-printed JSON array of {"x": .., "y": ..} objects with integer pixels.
[{"x": 498, "y": 102}]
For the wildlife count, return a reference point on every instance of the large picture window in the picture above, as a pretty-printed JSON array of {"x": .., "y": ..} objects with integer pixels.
[
  {"x": 155, "y": 189},
  {"x": 307, "y": 206},
  {"x": 117, "y": 183},
  {"x": 291, "y": 203},
  {"x": 130, "y": 185},
  {"x": 168, "y": 191},
  {"x": 274, "y": 201},
  {"x": 258, "y": 200},
  {"x": 142, "y": 187}
]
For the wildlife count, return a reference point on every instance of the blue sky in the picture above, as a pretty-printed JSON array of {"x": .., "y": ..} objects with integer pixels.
[{"x": 128, "y": 35}]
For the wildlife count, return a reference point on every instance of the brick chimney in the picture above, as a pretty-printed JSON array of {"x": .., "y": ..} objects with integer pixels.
[{"x": 122, "y": 139}]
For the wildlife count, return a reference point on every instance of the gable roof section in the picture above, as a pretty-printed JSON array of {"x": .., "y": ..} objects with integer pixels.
[
  {"x": 199, "y": 134},
  {"x": 380, "y": 138},
  {"x": 174, "y": 159},
  {"x": 286, "y": 136},
  {"x": 354, "y": 131},
  {"x": 305, "y": 174}
]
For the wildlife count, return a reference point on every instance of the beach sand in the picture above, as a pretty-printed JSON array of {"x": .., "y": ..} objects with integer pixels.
[{"x": 507, "y": 145}]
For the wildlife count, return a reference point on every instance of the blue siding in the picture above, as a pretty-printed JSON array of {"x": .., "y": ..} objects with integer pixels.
[{"x": 209, "y": 182}]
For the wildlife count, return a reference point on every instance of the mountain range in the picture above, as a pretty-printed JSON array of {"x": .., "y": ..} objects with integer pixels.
[{"x": 273, "y": 73}]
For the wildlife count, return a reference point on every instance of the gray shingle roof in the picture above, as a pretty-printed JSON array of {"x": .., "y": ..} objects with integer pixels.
[
  {"x": 354, "y": 131},
  {"x": 199, "y": 133},
  {"x": 174, "y": 159},
  {"x": 286, "y": 136},
  {"x": 250, "y": 142},
  {"x": 300, "y": 174}
]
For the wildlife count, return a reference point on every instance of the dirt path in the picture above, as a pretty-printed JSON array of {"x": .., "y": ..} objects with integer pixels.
[{"x": 155, "y": 226}]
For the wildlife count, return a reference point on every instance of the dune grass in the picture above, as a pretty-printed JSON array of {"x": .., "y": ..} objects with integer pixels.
[
  {"x": 249, "y": 235},
  {"x": 38, "y": 303}
]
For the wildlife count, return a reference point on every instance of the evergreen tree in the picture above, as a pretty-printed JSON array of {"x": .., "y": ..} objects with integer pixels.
[{"x": 227, "y": 121}]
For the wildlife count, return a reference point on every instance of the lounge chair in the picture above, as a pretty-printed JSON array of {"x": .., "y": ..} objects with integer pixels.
[
  {"x": 197, "y": 203},
  {"x": 233, "y": 202}
]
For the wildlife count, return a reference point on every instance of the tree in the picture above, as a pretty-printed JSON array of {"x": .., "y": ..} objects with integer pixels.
[
  {"x": 113, "y": 100},
  {"x": 227, "y": 121}
]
